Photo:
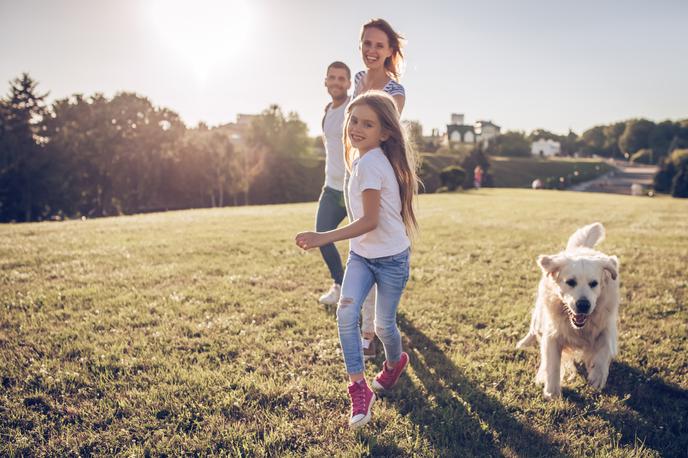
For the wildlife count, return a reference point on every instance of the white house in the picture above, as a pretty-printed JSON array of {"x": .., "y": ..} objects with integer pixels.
[
  {"x": 486, "y": 131},
  {"x": 460, "y": 133},
  {"x": 545, "y": 148}
]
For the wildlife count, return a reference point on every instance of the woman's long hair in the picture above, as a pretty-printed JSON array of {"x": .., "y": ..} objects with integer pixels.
[
  {"x": 397, "y": 149},
  {"x": 394, "y": 63}
]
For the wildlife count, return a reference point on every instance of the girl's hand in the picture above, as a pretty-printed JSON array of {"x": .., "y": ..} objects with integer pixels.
[{"x": 308, "y": 240}]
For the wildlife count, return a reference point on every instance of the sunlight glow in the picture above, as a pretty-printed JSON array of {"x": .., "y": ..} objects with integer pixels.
[{"x": 205, "y": 34}]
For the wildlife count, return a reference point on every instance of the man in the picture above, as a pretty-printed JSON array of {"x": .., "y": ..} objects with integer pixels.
[{"x": 331, "y": 205}]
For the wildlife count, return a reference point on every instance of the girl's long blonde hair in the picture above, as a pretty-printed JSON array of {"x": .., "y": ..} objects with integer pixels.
[
  {"x": 397, "y": 149},
  {"x": 393, "y": 64}
]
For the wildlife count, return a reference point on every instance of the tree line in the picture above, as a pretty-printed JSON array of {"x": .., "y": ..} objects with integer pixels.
[
  {"x": 638, "y": 140},
  {"x": 98, "y": 156}
]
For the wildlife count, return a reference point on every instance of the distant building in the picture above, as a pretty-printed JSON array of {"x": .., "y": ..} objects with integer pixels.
[
  {"x": 459, "y": 133},
  {"x": 486, "y": 131},
  {"x": 545, "y": 148}
]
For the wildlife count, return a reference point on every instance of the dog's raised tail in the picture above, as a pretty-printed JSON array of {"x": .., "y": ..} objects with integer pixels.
[{"x": 587, "y": 236}]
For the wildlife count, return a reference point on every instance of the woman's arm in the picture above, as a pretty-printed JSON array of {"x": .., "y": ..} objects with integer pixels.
[
  {"x": 400, "y": 100},
  {"x": 364, "y": 224}
]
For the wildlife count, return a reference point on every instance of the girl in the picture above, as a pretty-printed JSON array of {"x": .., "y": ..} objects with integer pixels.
[
  {"x": 381, "y": 192},
  {"x": 381, "y": 51}
]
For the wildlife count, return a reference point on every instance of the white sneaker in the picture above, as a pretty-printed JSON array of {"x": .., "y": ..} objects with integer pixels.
[{"x": 332, "y": 296}]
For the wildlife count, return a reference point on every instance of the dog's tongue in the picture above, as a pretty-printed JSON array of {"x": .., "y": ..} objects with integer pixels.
[{"x": 579, "y": 319}]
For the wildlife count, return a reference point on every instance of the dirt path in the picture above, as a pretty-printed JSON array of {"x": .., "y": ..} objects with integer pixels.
[{"x": 620, "y": 180}]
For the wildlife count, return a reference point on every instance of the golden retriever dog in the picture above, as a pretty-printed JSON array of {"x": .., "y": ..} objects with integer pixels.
[{"x": 576, "y": 312}]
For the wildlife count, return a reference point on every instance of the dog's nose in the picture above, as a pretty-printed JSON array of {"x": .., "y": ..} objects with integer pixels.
[{"x": 583, "y": 305}]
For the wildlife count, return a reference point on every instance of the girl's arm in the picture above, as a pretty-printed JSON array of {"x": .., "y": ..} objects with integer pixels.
[{"x": 364, "y": 224}]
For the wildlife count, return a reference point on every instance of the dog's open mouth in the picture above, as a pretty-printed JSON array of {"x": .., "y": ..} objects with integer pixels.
[{"x": 577, "y": 319}]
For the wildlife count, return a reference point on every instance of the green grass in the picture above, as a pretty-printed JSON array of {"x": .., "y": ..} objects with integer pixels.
[{"x": 198, "y": 332}]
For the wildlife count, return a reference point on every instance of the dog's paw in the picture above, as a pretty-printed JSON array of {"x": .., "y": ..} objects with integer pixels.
[
  {"x": 597, "y": 376},
  {"x": 552, "y": 393},
  {"x": 540, "y": 377},
  {"x": 527, "y": 341}
]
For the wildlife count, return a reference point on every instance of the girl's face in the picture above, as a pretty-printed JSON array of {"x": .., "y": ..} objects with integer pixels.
[
  {"x": 364, "y": 129},
  {"x": 375, "y": 48}
]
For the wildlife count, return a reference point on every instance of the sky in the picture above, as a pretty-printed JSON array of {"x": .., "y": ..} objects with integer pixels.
[{"x": 521, "y": 64}]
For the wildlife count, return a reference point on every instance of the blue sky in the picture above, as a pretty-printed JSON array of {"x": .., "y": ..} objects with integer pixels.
[{"x": 523, "y": 65}]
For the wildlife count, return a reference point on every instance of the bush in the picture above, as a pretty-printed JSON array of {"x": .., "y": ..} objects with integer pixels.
[
  {"x": 452, "y": 177},
  {"x": 679, "y": 185},
  {"x": 663, "y": 178},
  {"x": 673, "y": 174},
  {"x": 429, "y": 177},
  {"x": 511, "y": 143},
  {"x": 643, "y": 156}
]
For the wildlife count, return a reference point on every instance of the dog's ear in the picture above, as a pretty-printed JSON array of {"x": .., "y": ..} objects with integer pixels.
[
  {"x": 611, "y": 265},
  {"x": 550, "y": 265}
]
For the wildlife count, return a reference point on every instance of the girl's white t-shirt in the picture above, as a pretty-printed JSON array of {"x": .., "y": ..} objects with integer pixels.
[{"x": 374, "y": 171}]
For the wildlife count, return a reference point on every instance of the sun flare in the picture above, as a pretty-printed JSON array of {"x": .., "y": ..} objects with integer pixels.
[{"x": 206, "y": 34}]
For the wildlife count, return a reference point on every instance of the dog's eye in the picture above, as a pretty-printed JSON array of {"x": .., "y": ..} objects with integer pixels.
[
  {"x": 571, "y": 282},
  {"x": 593, "y": 283}
]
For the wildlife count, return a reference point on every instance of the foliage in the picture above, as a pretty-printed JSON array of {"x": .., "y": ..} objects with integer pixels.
[
  {"x": 285, "y": 145},
  {"x": 95, "y": 156},
  {"x": 25, "y": 179},
  {"x": 643, "y": 156},
  {"x": 429, "y": 177},
  {"x": 628, "y": 137},
  {"x": 636, "y": 136},
  {"x": 673, "y": 173},
  {"x": 414, "y": 134},
  {"x": 476, "y": 158},
  {"x": 512, "y": 143},
  {"x": 452, "y": 177}
]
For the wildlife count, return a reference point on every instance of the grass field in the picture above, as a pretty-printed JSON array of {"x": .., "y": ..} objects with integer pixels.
[{"x": 199, "y": 332}]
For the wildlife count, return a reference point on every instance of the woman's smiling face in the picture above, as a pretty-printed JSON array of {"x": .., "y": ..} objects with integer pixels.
[{"x": 375, "y": 48}]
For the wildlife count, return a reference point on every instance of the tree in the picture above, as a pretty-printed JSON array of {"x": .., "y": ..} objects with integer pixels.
[
  {"x": 24, "y": 165},
  {"x": 213, "y": 170},
  {"x": 414, "y": 133},
  {"x": 612, "y": 134},
  {"x": 636, "y": 136},
  {"x": 661, "y": 138},
  {"x": 593, "y": 141},
  {"x": 283, "y": 142},
  {"x": 544, "y": 134},
  {"x": 511, "y": 143},
  {"x": 672, "y": 176},
  {"x": 116, "y": 154},
  {"x": 570, "y": 143},
  {"x": 476, "y": 158}
]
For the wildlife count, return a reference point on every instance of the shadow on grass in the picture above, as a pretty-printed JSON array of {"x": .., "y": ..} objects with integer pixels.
[
  {"x": 657, "y": 413},
  {"x": 457, "y": 415}
]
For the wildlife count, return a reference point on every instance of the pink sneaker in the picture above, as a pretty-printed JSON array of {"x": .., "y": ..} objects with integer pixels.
[
  {"x": 362, "y": 398},
  {"x": 386, "y": 379}
]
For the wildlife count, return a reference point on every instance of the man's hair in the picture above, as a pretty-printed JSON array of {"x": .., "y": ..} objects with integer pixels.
[{"x": 338, "y": 64}]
